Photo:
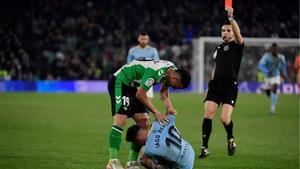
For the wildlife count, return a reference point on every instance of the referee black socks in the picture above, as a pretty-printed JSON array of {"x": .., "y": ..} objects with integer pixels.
[
  {"x": 206, "y": 130},
  {"x": 229, "y": 129}
]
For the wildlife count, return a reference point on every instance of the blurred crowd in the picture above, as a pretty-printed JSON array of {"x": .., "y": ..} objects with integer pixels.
[
  {"x": 89, "y": 40},
  {"x": 249, "y": 66}
]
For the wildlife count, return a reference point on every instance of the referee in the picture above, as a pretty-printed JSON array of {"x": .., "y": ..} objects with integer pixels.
[{"x": 223, "y": 88}]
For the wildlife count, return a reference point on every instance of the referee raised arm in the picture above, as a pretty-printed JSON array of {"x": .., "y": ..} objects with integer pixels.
[{"x": 223, "y": 88}]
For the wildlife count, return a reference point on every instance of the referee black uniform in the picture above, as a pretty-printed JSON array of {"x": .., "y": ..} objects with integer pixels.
[{"x": 223, "y": 88}]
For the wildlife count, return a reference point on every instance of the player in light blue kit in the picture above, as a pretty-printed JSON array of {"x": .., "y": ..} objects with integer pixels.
[
  {"x": 273, "y": 65},
  {"x": 143, "y": 51},
  {"x": 163, "y": 146}
]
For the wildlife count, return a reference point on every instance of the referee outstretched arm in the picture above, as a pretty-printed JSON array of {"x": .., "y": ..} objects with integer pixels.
[{"x": 235, "y": 27}]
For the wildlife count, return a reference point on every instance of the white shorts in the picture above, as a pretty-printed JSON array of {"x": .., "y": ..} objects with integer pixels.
[
  {"x": 273, "y": 80},
  {"x": 150, "y": 92}
]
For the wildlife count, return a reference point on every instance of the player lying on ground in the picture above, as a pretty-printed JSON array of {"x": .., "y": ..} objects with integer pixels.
[{"x": 163, "y": 146}]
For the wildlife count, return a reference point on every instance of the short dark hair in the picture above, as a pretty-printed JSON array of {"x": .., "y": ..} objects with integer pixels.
[
  {"x": 274, "y": 45},
  {"x": 132, "y": 133},
  {"x": 143, "y": 33},
  {"x": 185, "y": 77}
]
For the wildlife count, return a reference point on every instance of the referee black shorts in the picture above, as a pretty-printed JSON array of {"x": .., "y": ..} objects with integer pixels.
[
  {"x": 222, "y": 91},
  {"x": 123, "y": 99}
]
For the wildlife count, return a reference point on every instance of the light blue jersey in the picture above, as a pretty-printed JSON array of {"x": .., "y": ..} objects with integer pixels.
[
  {"x": 137, "y": 52},
  {"x": 165, "y": 143},
  {"x": 269, "y": 63}
]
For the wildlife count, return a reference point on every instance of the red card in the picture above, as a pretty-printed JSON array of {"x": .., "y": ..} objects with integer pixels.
[{"x": 228, "y": 4}]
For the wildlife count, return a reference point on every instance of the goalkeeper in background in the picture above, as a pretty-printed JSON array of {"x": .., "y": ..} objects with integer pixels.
[
  {"x": 273, "y": 65},
  {"x": 143, "y": 51}
]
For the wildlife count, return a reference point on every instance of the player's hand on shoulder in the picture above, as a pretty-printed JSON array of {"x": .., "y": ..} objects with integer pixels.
[
  {"x": 171, "y": 111},
  {"x": 166, "y": 120},
  {"x": 160, "y": 117}
]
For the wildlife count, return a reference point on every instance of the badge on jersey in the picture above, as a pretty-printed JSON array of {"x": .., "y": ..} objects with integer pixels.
[
  {"x": 226, "y": 48},
  {"x": 149, "y": 82}
]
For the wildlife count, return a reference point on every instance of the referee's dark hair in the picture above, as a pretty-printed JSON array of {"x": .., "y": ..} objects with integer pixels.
[
  {"x": 131, "y": 133},
  {"x": 185, "y": 77}
]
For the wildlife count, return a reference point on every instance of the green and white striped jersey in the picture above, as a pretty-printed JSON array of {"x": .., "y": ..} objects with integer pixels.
[{"x": 147, "y": 72}]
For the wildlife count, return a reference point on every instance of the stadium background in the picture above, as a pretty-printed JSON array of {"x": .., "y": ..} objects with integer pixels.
[{"x": 89, "y": 40}]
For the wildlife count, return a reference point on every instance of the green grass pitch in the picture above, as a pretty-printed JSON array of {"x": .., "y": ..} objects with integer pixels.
[{"x": 70, "y": 131}]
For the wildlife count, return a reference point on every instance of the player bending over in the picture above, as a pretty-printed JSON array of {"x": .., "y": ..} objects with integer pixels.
[{"x": 129, "y": 100}]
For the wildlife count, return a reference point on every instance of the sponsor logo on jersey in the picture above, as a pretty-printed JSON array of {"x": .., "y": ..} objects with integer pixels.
[{"x": 149, "y": 82}]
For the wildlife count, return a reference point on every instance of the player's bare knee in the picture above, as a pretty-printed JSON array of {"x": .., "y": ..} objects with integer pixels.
[
  {"x": 119, "y": 122},
  {"x": 225, "y": 119},
  {"x": 209, "y": 114}
]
